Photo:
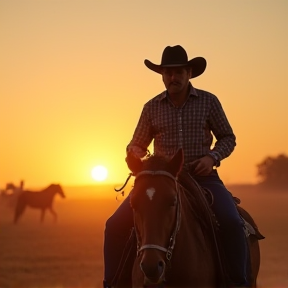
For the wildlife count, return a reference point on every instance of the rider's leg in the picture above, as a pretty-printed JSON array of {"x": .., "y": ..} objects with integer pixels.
[
  {"x": 231, "y": 228},
  {"x": 117, "y": 232}
]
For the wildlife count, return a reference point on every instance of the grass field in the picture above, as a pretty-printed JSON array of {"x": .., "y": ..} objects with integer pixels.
[{"x": 69, "y": 253}]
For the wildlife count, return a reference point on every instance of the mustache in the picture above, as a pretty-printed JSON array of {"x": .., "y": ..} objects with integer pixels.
[{"x": 175, "y": 83}]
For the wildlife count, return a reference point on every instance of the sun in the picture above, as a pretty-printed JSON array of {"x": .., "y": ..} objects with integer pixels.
[{"x": 99, "y": 173}]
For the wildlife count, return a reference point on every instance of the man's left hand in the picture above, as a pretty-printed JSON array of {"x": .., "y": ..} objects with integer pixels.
[{"x": 202, "y": 166}]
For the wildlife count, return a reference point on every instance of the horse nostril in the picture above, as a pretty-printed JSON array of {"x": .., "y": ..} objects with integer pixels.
[
  {"x": 161, "y": 266},
  {"x": 142, "y": 266}
]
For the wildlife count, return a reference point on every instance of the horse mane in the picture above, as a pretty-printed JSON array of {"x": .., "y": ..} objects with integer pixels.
[{"x": 52, "y": 185}]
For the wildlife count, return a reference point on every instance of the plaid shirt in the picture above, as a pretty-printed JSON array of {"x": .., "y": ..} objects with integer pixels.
[{"x": 189, "y": 127}]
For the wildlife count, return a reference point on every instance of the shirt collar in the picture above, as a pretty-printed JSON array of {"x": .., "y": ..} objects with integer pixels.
[{"x": 192, "y": 92}]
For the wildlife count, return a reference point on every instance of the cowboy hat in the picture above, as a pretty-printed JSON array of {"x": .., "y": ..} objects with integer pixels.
[{"x": 176, "y": 56}]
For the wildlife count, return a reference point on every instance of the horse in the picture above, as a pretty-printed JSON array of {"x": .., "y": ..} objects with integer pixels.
[
  {"x": 42, "y": 200},
  {"x": 11, "y": 194},
  {"x": 175, "y": 246}
]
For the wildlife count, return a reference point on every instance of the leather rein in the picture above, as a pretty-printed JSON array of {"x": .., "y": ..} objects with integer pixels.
[{"x": 172, "y": 240}]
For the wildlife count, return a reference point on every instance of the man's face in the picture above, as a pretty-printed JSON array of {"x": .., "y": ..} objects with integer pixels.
[{"x": 176, "y": 79}]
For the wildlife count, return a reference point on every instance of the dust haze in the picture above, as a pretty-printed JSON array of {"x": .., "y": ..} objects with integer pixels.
[{"x": 69, "y": 253}]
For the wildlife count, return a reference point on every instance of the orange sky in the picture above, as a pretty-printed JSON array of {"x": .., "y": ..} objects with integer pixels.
[{"x": 73, "y": 82}]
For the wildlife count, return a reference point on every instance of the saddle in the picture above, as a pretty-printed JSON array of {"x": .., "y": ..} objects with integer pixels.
[
  {"x": 189, "y": 184},
  {"x": 250, "y": 227}
]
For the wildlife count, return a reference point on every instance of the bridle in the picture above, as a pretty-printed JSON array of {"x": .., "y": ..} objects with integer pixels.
[{"x": 172, "y": 240}]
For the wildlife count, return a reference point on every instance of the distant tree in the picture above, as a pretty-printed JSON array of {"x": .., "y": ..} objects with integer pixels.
[{"x": 273, "y": 171}]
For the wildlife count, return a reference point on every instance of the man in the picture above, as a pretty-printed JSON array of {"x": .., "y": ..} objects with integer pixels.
[{"x": 185, "y": 117}]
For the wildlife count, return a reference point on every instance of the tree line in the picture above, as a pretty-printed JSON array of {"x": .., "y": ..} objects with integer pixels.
[{"x": 273, "y": 172}]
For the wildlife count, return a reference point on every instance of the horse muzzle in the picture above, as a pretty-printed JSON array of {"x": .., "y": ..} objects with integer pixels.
[{"x": 154, "y": 274}]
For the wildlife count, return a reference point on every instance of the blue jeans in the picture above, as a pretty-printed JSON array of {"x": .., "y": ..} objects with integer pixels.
[
  {"x": 117, "y": 232},
  {"x": 119, "y": 225},
  {"x": 232, "y": 233}
]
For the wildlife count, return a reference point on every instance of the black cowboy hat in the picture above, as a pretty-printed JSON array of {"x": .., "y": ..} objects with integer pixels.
[{"x": 176, "y": 56}]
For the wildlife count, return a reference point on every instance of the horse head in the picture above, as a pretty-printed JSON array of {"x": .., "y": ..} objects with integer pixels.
[
  {"x": 156, "y": 209},
  {"x": 10, "y": 186},
  {"x": 57, "y": 190}
]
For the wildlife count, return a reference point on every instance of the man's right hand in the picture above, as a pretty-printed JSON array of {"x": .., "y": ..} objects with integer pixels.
[{"x": 202, "y": 166}]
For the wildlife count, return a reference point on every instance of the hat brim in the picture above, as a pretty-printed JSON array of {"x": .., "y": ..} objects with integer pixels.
[{"x": 198, "y": 65}]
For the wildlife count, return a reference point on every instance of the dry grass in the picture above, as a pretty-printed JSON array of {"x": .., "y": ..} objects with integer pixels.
[{"x": 69, "y": 253}]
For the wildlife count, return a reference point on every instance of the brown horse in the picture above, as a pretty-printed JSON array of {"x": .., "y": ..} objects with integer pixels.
[
  {"x": 40, "y": 200},
  {"x": 175, "y": 246}
]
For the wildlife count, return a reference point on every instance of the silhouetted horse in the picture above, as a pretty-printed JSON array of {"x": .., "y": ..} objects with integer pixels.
[
  {"x": 40, "y": 200},
  {"x": 177, "y": 243},
  {"x": 11, "y": 194}
]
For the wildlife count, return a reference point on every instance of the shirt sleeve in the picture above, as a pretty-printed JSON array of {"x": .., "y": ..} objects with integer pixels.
[
  {"x": 143, "y": 135},
  {"x": 222, "y": 130}
]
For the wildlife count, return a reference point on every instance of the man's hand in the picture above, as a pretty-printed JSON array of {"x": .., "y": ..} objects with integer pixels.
[
  {"x": 136, "y": 151},
  {"x": 202, "y": 166},
  {"x": 133, "y": 159}
]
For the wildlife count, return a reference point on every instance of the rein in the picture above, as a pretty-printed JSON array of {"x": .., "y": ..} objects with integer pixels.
[
  {"x": 124, "y": 185},
  {"x": 172, "y": 240}
]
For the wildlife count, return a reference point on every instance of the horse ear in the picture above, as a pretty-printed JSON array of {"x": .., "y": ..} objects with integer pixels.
[
  {"x": 133, "y": 163},
  {"x": 176, "y": 163}
]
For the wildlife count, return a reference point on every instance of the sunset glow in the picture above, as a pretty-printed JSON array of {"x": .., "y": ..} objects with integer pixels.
[{"x": 73, "y": 81}]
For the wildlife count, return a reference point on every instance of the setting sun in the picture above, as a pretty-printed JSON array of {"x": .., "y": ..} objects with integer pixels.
[{"x": 99, "y": 173}]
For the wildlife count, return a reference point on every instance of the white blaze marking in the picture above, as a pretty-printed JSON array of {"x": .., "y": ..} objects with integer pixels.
[{"x": 150, "y": 192}]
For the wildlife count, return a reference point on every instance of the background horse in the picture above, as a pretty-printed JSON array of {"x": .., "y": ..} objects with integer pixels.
[
  {"x": 175, "y": 244},
  {"x": 11, "y": 194},
  {"x": 40, "y": 200}
]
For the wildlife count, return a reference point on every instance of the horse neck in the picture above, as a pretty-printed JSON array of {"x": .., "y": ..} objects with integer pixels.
[
  {"x": 188, "y": 214},
  {"x": 49, "y": 191}
]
